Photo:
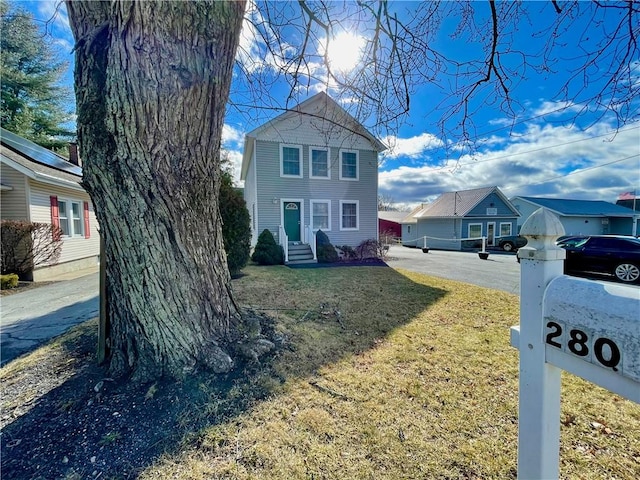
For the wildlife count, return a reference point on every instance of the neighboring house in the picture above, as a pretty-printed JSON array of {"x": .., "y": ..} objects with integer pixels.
[
  {"x": 390, "y": 223},
  {"x": 39, "y": 186},
  {"x": 457, "y": 216},
  {"x": 582, "y": 217},
  {"x": 313, "y": 167}
]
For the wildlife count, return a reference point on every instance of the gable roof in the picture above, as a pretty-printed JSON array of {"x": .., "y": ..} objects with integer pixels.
[
  {"x": 579, "y": 208},
  {"x": 37, "y": 162},
  {"x": 320, "y": 102},
  {"x": 391, "y": 215},
  {"x": 460, "y": 203}
]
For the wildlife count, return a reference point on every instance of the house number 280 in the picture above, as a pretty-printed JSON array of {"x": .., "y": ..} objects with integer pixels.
[{"x": 579, "y": 344}]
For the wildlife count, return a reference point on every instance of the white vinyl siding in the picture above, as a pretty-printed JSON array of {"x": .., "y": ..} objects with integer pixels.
[
  {"x": 349, "y": 165},
  {"x": 475, "y": 230},
  {"x": 349, "y": 214},
  {"x": 73, "y": 248},
  {"x": 505, "y": 229},
  {"x": 319, "y": 166},
  {"x": 14, "y": 203},
  {"x": 291, "y": 161},
  {"x": 321, "y": 215}
]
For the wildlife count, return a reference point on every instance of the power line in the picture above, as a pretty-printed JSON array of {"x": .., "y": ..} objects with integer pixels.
[
  {"x": 572, "y": 173},
  {"x": 475, "y": 162}
]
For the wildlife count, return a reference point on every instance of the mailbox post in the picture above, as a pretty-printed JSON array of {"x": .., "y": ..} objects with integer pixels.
[
  {"x": 539, "y": 388},
  {"x": 585, "y": 327}
]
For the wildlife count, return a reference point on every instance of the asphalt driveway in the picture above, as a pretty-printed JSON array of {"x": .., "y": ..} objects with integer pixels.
[
  {"x": 30, "y": 318},
  {"x": 501, "y": 271}
]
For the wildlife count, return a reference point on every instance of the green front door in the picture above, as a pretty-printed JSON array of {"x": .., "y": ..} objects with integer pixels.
[{"x": 292, "y": 220}]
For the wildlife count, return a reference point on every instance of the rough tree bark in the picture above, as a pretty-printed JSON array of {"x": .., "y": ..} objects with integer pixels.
[{"x": 152, "y": 81}]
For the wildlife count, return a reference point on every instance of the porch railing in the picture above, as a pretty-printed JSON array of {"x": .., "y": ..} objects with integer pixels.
[
  {"x": 284, "y": 242},
  {"x": 310, "y": 239}
]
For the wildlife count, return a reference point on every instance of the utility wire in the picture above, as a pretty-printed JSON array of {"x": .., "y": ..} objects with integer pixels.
[
  {"x": 475, "y": 162},
  {"x": 572, "y": 173}
]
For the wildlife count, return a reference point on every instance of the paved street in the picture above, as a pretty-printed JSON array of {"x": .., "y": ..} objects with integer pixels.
[
  {"x": 30, "y": 318},
  {"x": 500, "y": 271}
]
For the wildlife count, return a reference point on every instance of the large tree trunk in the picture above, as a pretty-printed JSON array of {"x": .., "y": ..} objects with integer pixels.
[{"x": 152, "y": 81}]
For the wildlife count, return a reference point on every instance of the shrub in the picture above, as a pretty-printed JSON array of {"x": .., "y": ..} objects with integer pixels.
[
  {"x": 8, "y": 281},
  {"x": 327, "y": 254},
  {"x": 371, "y": 248},
  {"x": 236, "y": 225},
  {"x": 267, "y": 251},
  {"x": 27, "y": 244},
  {"x": 322, "y": 239},
  {"x": 325, "y": 251},
  {"x": 348, "y": 253}
]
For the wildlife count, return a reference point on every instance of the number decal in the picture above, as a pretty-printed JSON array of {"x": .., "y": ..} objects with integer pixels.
[
  {"x": 554, "y": 334},
  {"x": 581, "y": 342},
  {"x": 615, "y": 353},
  {"x": 578, "y": 343}
]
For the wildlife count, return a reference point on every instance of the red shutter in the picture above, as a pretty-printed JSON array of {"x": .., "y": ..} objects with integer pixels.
[
  {"x": 55, "y": 216},
  {"x": 87, "y": 230}
]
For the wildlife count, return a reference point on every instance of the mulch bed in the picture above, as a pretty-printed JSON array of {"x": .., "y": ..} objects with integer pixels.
[{"x": 369, "y": 262}]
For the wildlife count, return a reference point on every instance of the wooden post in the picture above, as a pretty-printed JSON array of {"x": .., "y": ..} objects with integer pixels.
[
  {"x": 539, "y": 389},
  {"x": 103, "y": 321}
]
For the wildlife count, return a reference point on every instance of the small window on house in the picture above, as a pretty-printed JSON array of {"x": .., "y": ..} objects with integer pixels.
[
  {"x": 290, "y": 161},
  {"x": 492, "y": 212},
  {"x": 475, "y": 230},
  {"x": 348, "y": 165},
  {"x": 505, "y": 229},
  {"x": 319, "y": 163},
  {"x": 70, "y": 215},
  {"x": 321, "y": 214},
  {"x": 349, "y": 215},
  {"x": 408, "y": 228}
]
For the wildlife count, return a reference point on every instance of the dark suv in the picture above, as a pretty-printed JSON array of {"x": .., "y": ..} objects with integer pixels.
[
  {"x": 511, "y": 243},
  {"x": 614, "y": 255}
]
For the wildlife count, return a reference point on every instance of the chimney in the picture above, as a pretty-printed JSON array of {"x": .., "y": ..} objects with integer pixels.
[{"x": 73, "y": 154}]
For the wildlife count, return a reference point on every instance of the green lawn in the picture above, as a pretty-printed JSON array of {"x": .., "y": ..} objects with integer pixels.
[{"x": 388, "y": 374}]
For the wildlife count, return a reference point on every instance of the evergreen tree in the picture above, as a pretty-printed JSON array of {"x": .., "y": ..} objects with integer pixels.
[
  {"x": 236, "y": 224},
  {"x": 32, "y": 100}
]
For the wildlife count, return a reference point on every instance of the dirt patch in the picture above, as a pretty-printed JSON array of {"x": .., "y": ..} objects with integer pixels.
[{"x": 62, "y": 418}]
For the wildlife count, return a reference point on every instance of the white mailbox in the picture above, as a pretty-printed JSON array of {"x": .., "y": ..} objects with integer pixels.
[{"x": 596, "y": 323}]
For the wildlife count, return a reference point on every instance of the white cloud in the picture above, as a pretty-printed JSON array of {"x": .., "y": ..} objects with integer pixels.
[
  {"x": 411, "y": 147},
  {"x": 547, "y": 160},
  {"x": 231, "y": 136}
]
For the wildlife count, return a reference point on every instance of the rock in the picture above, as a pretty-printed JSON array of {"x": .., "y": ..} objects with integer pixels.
[{"x": 217, "y": 360}]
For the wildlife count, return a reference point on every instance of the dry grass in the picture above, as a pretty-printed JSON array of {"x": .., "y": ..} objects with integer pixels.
[{"x": 413, "y": 378}]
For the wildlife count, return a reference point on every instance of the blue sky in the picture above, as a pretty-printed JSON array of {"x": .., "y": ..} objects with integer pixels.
[{"x": 547, "y": 152}]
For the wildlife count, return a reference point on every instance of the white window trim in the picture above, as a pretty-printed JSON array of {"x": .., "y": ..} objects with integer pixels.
[
  {"x": 312, "y": 203},
  {"x": 321, "y": 149},
  {"x": 473, "y": 225},
  {"x": 357, "y": 202},
  {"x": 282, "y": 147},
  {"x": 349, "y": 179},
  {"x": 510, "y": 229},
  {"x": 69, "y": 202}
]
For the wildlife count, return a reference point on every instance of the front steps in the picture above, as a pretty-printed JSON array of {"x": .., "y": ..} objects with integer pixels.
[{"x": 300, "y": 253}]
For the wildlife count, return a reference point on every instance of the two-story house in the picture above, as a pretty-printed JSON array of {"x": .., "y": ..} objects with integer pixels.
[{"x": 312, "y": 167}]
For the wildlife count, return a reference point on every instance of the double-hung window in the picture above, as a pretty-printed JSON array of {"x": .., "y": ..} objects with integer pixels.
[
  {"x": 349, "y": 214},
  {"x": 505, "y": 229},
  {"x": 319, "y": 163},
  {"x": 70, "y": 215},
  {"x": 349, "y": 165},
  {"x": 475, "y": 230},
  {"x": 291, "y": 161},
  {"x": 321, "y": 215}
]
